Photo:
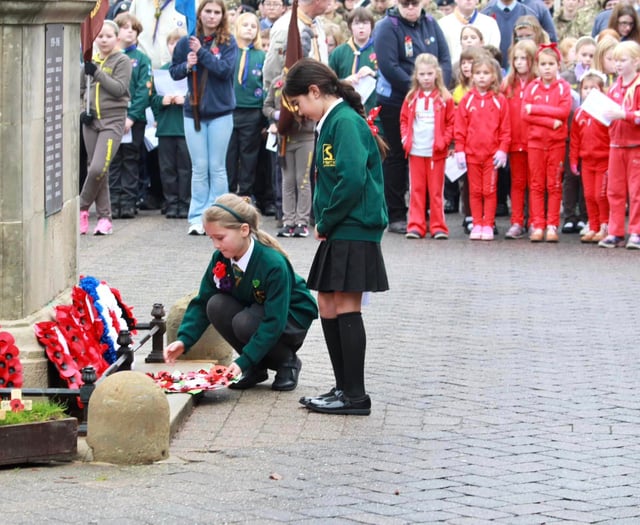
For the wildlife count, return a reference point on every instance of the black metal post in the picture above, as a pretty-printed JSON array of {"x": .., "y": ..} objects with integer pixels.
[
  {"x": 89, "y": 377},
  {"x": 157, "y": 345},
  {"x": 124, "y": 349}
]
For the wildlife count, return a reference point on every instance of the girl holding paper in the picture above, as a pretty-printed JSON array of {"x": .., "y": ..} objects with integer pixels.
[
  {"x": 624, "y": 156},
  {"x": 590, "y": 144}
]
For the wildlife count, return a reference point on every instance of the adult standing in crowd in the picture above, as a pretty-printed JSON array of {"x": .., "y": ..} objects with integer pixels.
[
  {"x": 209, "y": 58},
  {"x": 399, "y": 38},
  {"x": 310, "y": 29},
  {"x": 271, "y": 10},
  {"x": 466, "y": 13},
  {"x": 159, "y": 18}
]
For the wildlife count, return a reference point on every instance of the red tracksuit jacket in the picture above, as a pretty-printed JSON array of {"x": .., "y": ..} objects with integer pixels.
[
  {"x": 589, "y": 138},
  {"x": 625, "y": 132},
  {"x": 482, "y": 125},
  {"x": 519, "y": 128},
  {"x": 547, "y": 105},
  {"x": 444, "y": 115}
]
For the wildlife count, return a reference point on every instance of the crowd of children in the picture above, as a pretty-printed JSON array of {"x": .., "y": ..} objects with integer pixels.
[{"x": 510, "y": 122}]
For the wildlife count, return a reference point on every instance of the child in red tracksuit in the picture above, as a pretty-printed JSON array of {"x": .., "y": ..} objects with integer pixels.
[
  {"x": 482, "y": 136},
  {"x": 546, "y": 108},
  {"x": 624, "y": 156},
  {"x": 521, "y": 72},
  {"x": 590, "y": 144},
  {"x": 426, "y": 128}
]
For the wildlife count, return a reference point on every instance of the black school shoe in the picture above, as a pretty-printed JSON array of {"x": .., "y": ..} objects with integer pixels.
[
  {"x": 341, "y": 405},
  {"x": 287, "y": 376},
  {"x": 307, "y": 399},
  {"x": 250, "y": 378}
]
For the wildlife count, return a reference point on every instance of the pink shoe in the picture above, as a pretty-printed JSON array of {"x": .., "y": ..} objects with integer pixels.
[
  {"x": 103, "y": 227},
  {"x": 84, "y": 222},
  {"x": 476, "y": 233},
  {"x": 487, "y": 233}
]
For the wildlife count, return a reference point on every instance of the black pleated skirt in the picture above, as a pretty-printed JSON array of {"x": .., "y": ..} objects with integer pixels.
[{"x": 348, "y": 266}]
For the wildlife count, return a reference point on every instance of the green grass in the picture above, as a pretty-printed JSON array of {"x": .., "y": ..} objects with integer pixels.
[{"x": 41, "y": 411}]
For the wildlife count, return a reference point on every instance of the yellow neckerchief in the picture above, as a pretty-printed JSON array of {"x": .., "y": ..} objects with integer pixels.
[{"x": 308, "y": 21}]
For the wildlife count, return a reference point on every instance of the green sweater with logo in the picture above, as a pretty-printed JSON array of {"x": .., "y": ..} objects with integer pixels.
[
  {"x": 250, "y": 93},
  {"x": 268, "y": 280},
  {"x": 348, "y": 202}
]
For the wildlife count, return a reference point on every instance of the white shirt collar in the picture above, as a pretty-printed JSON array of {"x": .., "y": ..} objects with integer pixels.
[
  {"x": 243, "y": 262},
  {"x": 329, "y": 109}
]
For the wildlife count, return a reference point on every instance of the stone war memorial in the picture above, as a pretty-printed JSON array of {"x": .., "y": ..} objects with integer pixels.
[{"x": 40, "y": 108}]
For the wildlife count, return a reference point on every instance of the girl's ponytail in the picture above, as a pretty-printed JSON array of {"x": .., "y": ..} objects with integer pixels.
[{"x": 308, "y": 71}]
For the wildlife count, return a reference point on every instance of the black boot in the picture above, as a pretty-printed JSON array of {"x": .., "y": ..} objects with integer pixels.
[{"x": 287, "y": 374}]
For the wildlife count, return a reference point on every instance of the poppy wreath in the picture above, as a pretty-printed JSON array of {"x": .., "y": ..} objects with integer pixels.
[
  {"x": 10, "y": 365},
  {"x": 85, "y": 333},
  {"x": 193, "y": 381}
]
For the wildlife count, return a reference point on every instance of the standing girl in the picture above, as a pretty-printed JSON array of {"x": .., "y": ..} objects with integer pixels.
[
  {"x": 590, "y": 144},
  {"x": 208, "y": 59},
  {"x": 546, "y": 108},
  {"x": 460, "y": 188},
  {"x": 248, "y": 121},
  {"x": 252, "y": 296},
  {"x": 426, "y": 126},
  {"x": 351, "y": 216},
  {"x": 102, "y": 130},
  {"x": 624, "y": 156},
  {"x": 470, "y": 36},
  {"x": 482, "y": 137},
  {"x": 523, "y": 55}
]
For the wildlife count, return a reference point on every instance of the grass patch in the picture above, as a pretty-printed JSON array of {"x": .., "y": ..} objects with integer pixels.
[{"x": 41, "y": 411}]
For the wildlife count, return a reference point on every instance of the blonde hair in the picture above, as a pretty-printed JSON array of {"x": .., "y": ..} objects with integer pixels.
[
  {"x": 426, "y": 59},
  {"x": 629, "y": 49},
  {"x": 484, "y": 59},
  {"x": 540, "y": 36},
  {"x": 605, "y": 45},
  {"x": 257, "y": 41},
  {"x": 529, "y": 48},
  {"x": 231, "y": 211}
]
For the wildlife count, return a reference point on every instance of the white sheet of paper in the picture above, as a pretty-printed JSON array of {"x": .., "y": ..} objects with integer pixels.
[
  {"x": 597, "y": 103},
  {"x": 451, "y": 169},
  {"x": 272, "y": 142},
  {"x": 127, "y": 138},
  {"x": 150, "y": 139},
  {"x": 165, "y": 85},
  {"x": 365, "y": 86}
]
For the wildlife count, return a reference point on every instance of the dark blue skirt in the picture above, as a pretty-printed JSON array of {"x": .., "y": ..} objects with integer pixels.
[{"x": 348, "y": 266}]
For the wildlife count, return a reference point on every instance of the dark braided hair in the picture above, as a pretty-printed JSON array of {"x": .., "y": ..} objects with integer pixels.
[{"x": 308, "y": 71}]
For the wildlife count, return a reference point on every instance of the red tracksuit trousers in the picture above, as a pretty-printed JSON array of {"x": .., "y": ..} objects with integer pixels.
[
  {"x": 519, "y": 181},
  {"x": 426, "y": 177},
  {"x": 546, "y": 167},
  {"x": 482, "y": 177},
  {"x": 623, "y": 181},
  {"x": 594, "y": 184}
]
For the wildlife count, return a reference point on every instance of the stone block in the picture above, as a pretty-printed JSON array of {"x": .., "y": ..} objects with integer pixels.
[
  {"x": 211, "y": 346},
  {"x": 128, "y": 420}
]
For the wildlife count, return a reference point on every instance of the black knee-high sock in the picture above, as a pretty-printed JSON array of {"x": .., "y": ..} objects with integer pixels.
[
  {"x": 354, "y": 342},
  {"x": 331, "y": 331}
]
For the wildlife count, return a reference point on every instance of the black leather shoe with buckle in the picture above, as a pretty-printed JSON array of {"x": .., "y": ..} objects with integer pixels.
[{"x": 339, "y": 404}]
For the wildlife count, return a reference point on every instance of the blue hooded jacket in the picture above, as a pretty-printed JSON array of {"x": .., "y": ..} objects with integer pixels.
[
  {"x": 219, "y": 60},
  {"x": 397, "y": 43}
]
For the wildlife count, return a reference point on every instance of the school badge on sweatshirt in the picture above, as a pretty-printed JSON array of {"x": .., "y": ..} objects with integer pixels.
[{"x": 328, "y": 160}]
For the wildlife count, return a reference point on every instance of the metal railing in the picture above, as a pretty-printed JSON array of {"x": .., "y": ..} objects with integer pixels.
[{"x": 125, "y": 355}]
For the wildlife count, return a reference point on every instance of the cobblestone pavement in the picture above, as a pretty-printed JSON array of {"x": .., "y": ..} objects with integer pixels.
[{"x": 504, "y": 378}]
